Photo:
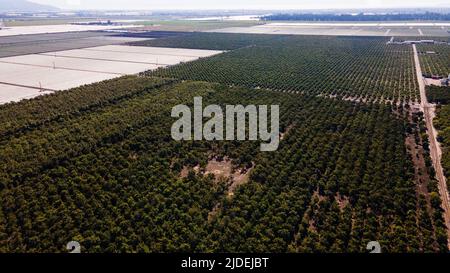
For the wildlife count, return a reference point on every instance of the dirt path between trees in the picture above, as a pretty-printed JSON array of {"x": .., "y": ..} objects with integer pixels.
[{"x": 435, "y": 148}]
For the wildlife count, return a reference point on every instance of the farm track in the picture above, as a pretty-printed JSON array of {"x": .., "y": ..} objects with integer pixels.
[{"x": 435, "y": 149}]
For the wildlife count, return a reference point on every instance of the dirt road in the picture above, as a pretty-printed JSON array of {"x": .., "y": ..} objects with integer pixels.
[{"x": 435, "y": 148}]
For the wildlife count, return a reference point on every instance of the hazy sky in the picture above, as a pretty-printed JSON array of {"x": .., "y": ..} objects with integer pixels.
[{"x": 239, "y": 4}]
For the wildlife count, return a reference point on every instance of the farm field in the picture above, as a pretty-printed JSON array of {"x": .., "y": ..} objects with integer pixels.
[
  {"x": 68, "y": 165},
  {"x": 41, "y": 43},
  {"x": 148, "y": 55},
  {"x": 45, "y": 29},
  {"x": 364, "y": 69},
  {"x": 47, "y": 77},
  {"x": 441, "y": 95},
  {"x": 211, "y": 41},
  {"x": 95, "y": 162},
  {"x": 438, "y": 94},
  {"x": 80, "y": 63},
  {"x": 62, "y": 70},
  {"x": 345, "y": 29},
  {"x": 42, "y": 22},
  {"x": 35, "y": 38},
  {"x": 193, "y": 26},
  {"x": 436, "y": 61},
  {"x": 16, "y": 93},
  {"x": 443, "y": 125},
  {"x": 184, "y": 52}
]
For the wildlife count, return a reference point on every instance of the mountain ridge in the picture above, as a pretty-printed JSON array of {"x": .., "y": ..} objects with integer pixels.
[{"x": 24, "y": 6}]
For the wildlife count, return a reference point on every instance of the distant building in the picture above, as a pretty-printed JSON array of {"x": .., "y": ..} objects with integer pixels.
[{"x": 96, "y": 23}]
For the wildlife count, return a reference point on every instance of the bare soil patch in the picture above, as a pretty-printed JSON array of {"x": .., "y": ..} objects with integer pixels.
[
  {"x": 342, "y": 201},
  {"x": 429, "y": 81},
  {"x": 222, "y": 169}
]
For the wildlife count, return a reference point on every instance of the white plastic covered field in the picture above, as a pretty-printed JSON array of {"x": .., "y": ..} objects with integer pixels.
[
  {"x": 28, "y": 76},
  {"x": 16, "y": 93}
]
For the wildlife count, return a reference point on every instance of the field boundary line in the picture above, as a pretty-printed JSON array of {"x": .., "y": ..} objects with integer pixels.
[
  {"x": 64, "y": 68},
  {"x": 28, "y": 86},
  {"x": 144, "y": 53},
  {"x": 100, "y": 59}
]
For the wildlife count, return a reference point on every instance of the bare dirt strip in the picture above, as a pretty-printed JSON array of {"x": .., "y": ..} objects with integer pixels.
[{"x": 435, "y": 148}]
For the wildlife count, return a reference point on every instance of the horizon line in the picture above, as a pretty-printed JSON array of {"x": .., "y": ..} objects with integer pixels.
[{"x": 251, "y": 9}]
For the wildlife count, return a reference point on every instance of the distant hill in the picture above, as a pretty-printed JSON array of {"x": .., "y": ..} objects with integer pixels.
[{"x": 23, "y": 6}]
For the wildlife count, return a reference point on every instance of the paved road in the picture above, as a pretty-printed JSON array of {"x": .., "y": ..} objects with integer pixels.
[{"x": 435, "y": 149}]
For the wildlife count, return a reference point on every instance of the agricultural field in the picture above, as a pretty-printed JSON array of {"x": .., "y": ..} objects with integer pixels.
[
  {"x": 442, "y": 123},
  {"x": 442, "y": 95},
  {"x": 53, "y": 37},
  {"x": 23, "y": 22},
  {"x": 360, "y": 69},
  {"x": 97, "y": 164},
  {"x": 17, "y": 93},
  {"x": 438, "y": 94},
  {"x": 345, "y": 29},
  {"x": 27, "y": 76},
  {"x": 193, "y": 25},
  {"x": 45, "y": 29},
  {"x": 137, "y": 54},
  {"x": 77, "y": 60},
  {"x": 211, "y": 41},
  {"x": 36, "y": 47},
  {"x": 39, "y": 43},
  {"x": 435, "y": 59},
  {"x": 47, "y": 78}
]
